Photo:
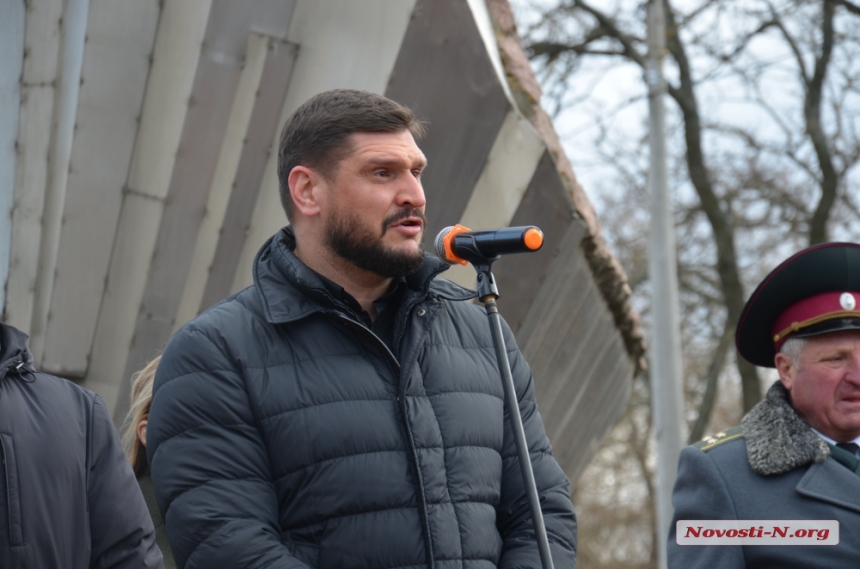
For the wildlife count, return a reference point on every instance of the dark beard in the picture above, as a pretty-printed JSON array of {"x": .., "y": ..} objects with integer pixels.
[{"x": 346, "y": 237}]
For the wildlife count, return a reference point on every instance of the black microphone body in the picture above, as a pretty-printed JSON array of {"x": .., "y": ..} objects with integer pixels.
[{"x": 486, "y": 245}]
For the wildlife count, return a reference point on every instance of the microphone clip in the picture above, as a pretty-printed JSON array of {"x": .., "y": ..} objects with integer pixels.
[{"x": 487, "y": 289}]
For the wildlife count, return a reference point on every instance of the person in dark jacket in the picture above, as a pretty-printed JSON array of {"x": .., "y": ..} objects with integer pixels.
[
  {"x": 68, "y": 498},
  {"x": 789, "y": 475},
  {"x": 346, "y": 410}
]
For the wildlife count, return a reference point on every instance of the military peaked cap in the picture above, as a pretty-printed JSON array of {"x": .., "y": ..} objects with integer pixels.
[{"x": 814, "y": 292}]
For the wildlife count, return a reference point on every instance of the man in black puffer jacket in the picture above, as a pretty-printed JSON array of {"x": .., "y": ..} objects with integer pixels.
[
  {"x": 346, "y": 410},
  {"x": 68, "y": 497}
]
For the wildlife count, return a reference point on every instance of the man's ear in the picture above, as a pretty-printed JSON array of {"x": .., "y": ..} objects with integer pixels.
[
  {"x": 305, "y": 189},
  {"x": 786, "y": 369}
]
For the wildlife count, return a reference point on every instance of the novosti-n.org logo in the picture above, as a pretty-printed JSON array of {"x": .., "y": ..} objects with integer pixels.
[{"x": 757, "y": 532}]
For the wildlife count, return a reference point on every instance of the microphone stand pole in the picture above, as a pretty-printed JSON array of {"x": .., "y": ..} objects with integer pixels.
[{"x": 488, "y": 293}]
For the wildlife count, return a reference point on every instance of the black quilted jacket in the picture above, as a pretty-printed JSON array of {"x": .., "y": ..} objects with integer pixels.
[
  {"x": 68, "y": 497},
  {"x": 285, "y": 434}
]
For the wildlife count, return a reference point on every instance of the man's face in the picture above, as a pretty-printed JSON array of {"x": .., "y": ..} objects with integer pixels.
[
  {"x": 825, "y": 387},
  {"x": 375, "y": 215}
]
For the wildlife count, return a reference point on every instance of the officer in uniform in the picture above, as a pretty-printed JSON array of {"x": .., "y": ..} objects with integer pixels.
[{"x": 795, "y": 455}]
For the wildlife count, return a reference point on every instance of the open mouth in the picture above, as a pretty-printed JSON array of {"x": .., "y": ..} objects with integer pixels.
[{"x": 410, "y": 222}]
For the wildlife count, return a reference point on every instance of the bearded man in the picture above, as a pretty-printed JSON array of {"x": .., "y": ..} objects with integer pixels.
[
  {"x": 790, "y": 474},
  {"x": 345, "y": 411}
]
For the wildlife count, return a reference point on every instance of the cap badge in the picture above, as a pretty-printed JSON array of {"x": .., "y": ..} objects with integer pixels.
[{"x": 847, "y": 301}]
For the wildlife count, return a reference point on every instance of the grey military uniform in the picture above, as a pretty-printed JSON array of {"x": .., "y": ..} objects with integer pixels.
[{"x": 774, "y": 467}]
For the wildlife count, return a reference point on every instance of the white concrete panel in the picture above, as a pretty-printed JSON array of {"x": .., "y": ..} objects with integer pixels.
[
  {"x": 342, "y": 45},
  {"x": 498, "y": 192},
  {"x": 134, "y": 244},
  {"x": 225, "y": 174},
  {"x": 12, "y": 29},
  {"x": 74, "y": 25},
  {"x": 42, "y": 46},
  {"x": 177, "y": 50},
  {"x": 113, "y": 81},
  {"x": 175, "y": 56}
]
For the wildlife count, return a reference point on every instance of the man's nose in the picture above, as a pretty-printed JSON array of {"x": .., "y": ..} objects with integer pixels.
[
  {"x": 411, "y": 192},
  {"x": 853, "y": 374}
]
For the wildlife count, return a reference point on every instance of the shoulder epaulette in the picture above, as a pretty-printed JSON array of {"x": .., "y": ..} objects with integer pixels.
[{"x": 722, "y": 437}]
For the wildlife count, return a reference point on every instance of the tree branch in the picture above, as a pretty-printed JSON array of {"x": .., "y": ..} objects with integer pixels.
[
  {"x": 608, "y": 25},
  {"x": 792, "y": 44},
  {"x": 815, "y": 130},
  {"x": 853, "y": 8},
  {"x": 553, "y": 50}
]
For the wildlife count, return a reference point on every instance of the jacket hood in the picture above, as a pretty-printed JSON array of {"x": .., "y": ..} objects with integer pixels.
[
  {"x": 13, "y": 350},
  {"x": 778, "y": 439},
  {"x": 290, "y": 290}
]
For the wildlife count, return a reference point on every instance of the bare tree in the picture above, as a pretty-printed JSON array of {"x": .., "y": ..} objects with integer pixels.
[
  {"x": 820, "y": 149},
  {"x": 765, "y": 135}
]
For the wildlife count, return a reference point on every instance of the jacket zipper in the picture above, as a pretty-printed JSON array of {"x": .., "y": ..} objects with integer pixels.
[
  {"x": 350, "y": 322},
  {"x": 401, "y": 398},
  {"x": 16, "y": 537},
  {"x": 6, "y": 480}
]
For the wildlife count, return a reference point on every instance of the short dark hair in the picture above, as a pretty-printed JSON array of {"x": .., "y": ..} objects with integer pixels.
[{"x": 316, "y": 134}]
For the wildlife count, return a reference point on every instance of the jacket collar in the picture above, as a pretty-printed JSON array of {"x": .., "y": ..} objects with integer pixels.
[
  {"x": 290, "y": 290},
  {"x": 778, "y": 439},
  {"x": 13, "y": 350}
]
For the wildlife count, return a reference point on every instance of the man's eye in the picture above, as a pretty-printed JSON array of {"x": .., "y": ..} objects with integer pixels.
[
  {"x": 416, "y": 173},
  {"x": 381, "y": 173}
]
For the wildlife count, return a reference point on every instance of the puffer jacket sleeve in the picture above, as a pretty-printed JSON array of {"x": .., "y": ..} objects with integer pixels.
[
  {"x": 210, "y": 467},
  {"x": 520, "y": 550},
  {"x": 120, "y": 526}
]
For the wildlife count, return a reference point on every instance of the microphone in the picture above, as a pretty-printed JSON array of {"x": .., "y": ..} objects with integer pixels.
[{"x": 460, "y": 245}]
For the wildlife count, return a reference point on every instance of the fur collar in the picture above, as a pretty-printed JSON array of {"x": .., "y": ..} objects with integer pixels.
[{"x": 778, "y": 439}]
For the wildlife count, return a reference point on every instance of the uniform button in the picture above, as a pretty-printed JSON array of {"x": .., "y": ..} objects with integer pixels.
[{"x": 421, "y": 312}]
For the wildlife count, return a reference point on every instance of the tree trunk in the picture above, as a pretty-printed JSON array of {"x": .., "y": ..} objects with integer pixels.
[
  {"x": 720, "y": 221},
  {"x": 812, "y": 114}
]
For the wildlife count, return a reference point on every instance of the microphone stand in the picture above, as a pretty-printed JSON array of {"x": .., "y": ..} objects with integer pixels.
[{"x": 488, "y": 293}]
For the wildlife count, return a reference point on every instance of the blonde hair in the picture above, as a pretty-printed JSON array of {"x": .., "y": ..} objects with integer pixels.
[{"x": 141, "y": 401}]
